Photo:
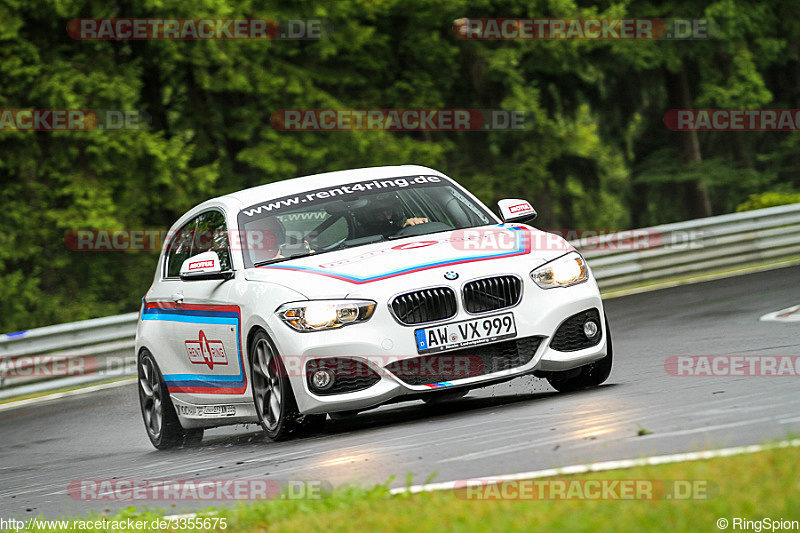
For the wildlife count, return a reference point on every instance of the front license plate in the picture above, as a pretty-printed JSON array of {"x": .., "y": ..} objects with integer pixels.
[{"x": 465, "y": 333}]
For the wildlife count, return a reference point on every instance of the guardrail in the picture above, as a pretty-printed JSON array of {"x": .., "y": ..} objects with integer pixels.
[
  {"x": 693, "y": 247},
  {"x": 102, "y": 349},
  {"x": 66, "y": 355}
]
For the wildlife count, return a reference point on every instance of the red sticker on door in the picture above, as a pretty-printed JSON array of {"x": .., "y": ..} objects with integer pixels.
[{"x": 206, "y": 352}]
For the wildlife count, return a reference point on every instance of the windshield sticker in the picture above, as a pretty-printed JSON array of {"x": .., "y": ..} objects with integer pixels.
[{"x": 347, "y": 191}]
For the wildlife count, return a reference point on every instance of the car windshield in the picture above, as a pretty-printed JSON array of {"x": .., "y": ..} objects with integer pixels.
[{"x": 355, "y": 214}]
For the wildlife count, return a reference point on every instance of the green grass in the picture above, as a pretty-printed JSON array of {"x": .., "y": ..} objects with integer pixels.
[
  {"x": 751, "y": 486},
  {"x": 46, "y": 393},
  {"x": 697, "y": 277}
]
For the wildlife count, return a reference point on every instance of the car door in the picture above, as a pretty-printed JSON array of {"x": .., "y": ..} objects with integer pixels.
[{"x": 201, "y": 325}]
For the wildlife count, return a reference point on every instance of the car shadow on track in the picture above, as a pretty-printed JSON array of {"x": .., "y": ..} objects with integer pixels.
[
  {"x": 396, "y": 414},
  {"x": 411, "y": 412}
]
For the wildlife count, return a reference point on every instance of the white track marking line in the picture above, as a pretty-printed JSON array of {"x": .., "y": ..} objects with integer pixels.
[
  {"x": 41, "y": 399},
  {"x": 189, "y": 515},
  {"x": 179, "y": 516},
  {"x": 603, "y": 466},
  {"x": 707, "y": 428},
  {"x": 790, "y": 314}
]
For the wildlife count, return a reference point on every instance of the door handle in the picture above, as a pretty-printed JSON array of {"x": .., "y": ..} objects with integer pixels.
[{"x": 177, "y": 297}]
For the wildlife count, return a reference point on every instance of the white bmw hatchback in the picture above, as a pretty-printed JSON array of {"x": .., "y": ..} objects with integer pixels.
[{"x": 339, "y": 292}]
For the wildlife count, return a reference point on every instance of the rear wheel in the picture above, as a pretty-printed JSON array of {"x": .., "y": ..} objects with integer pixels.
[
  {"x": 160, "y": 420},
  {"x": 272, "y": 393},
  {"x": 588, "y": 376}
]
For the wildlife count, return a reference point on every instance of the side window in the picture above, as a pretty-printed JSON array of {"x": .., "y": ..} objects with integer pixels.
[
  {"x": 180, "y": 249},
  {"x": 211, "y": 235},
  {"x": 206, "y": 232}
]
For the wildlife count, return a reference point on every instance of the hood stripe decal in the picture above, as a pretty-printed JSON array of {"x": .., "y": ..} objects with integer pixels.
[{"x": 524, "y": 249}]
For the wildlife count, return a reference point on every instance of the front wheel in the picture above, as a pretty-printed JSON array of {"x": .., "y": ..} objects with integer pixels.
[
  {"x": 272, "y": 393},
  {"x": 160, "y": 420},
  {"x": 588, "y": 376}
]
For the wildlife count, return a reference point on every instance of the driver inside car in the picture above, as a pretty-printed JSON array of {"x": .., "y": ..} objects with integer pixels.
[{"x": 382, "y": 215}]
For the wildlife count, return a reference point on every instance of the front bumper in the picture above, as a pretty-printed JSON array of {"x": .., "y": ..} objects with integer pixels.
[{"x": 383, "y": 340}]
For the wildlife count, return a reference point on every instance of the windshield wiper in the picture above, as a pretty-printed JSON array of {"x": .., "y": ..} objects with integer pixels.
[
  {"x": 361, "y": 241},
  {"x": 282, "y": 259},
  {"x": 346, "y": 244},
  {"x": 395, "y": 237}
]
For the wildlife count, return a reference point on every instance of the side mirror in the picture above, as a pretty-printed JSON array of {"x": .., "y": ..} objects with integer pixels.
[
  {"x": 202, "y": 267},
  {"x": 516, "y": 210}
]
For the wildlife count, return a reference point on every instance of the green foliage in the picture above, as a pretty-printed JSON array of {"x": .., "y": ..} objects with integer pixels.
[
  {"x": 594, "y": 153},
  {"x": 768, "y": 199}
]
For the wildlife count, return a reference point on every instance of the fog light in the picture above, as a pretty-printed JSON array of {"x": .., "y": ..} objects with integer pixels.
[
  {"x": 590, "y": 329},
  {"x": 322, "y": 379}
]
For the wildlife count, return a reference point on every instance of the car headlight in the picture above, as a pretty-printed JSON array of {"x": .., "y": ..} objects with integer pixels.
[
  {"x": 316, "y": 315},
  {"x": 568, "y": 270}
]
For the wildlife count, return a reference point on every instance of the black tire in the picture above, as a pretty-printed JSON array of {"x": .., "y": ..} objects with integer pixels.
[
  {"x": 272, "y": 392},
  {"x": 588, "y": 376},
  {"x": 193, "y": 437},
  {"x": 437, "y": 398},
  {"x": 158, "y": 413}
]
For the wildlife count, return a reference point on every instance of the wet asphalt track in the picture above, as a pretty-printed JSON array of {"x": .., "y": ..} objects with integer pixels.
[{"x": 520, "y": 425}]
